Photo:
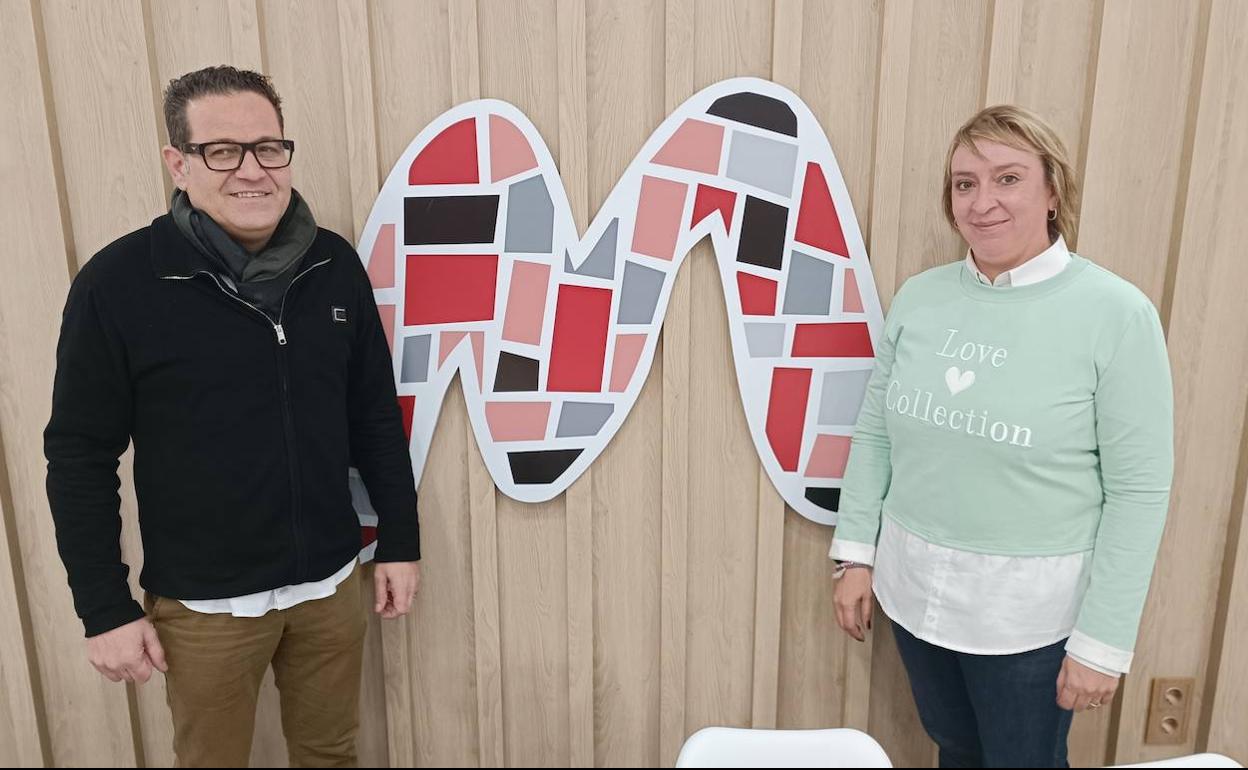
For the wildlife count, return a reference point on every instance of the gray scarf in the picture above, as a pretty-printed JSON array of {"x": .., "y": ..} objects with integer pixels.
[{"x": 262, "y": 278}]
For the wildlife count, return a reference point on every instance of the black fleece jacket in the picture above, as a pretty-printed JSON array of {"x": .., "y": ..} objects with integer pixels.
[{"x": 243, "y": 429}]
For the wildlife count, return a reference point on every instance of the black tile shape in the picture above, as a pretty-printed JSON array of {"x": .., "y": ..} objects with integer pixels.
[
  {"x": 756, "y": 110},
  {"x": 827, "y": 498},
  {"x": 515, "y": 373},
  {"x": 442, "y": 219},
  {"x": 541, "y": 467},
  {"x": 763, "y": 226}
]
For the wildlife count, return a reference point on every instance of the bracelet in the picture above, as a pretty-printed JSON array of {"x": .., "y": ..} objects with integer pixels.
[{"x": 845, "y": 566}]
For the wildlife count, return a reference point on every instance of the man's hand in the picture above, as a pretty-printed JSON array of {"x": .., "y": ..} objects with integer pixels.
[
  {"x": 854, "y": 602},
  {"x": 1079, "y": 687},
  {"x": 127, "y": 653},
  {"x": 395, "y": 584}
]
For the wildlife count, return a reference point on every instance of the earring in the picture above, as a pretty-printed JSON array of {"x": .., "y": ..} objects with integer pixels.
[{"x": 1052, "y": 215}]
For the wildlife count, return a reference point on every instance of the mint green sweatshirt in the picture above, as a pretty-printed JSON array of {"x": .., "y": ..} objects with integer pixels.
[{"x": 1026, "y": 421}]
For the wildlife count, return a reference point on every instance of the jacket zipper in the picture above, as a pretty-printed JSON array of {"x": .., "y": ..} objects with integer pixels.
[{"x": 288, "y": 419}]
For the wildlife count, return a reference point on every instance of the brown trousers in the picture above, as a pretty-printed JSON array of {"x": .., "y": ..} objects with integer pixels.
[{"x": 217, "y": 662}]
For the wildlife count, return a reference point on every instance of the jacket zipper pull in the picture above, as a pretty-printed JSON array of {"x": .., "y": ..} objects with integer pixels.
[{"x": 281, "y": 334}]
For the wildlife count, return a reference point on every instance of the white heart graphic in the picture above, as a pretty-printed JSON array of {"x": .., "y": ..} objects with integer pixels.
[{"x": 957, "y": 380}]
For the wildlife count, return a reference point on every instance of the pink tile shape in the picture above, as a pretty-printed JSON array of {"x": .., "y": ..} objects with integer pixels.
[
  {"x": 526, "y": 302},
  {"x": 694, "y": 146},
  {"x": 381, "y": 262},
  {"x": 658, "y": 217},
  {"x": 828, "y": 457},
  {"x": 387, "y": 323},
  {"x": 478, "y": 354},
  {"x": 628, "y": 349},
  {"x": 447, "y": 342},
  {"x": 853, "y": 299},
  {"x": 450, "y": 340},
  {"x": 517, "y": 420},
  {"x": 510, "y": 152}
]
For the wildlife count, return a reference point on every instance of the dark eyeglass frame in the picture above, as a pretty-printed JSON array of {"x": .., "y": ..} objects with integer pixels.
[{"x": 199, "y": 149}]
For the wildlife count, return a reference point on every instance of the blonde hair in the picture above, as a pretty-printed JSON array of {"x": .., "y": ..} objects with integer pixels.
[{"x": 1023, "y": 130}]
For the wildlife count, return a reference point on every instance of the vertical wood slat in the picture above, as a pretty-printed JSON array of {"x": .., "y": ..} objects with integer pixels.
[
  {"x": 1040, "y": 56},
  {"x": 34, "y": 232},
  {"x": 354, "y": 47},
  {"x": 1208, "y": 345},
  {"x": 579, "y": 498},
  {"x": 1214, "y": 224},
  {"x": 532, "y": 544},
  {"x": 98, "y": 66},
  {"x": 465, "y": 72},
  {"x": 786, "y": 65},
  {"x": 677, "y": 332},
  {"x": 893, "y": 73},
  {"x": 1130, "y": 192}
]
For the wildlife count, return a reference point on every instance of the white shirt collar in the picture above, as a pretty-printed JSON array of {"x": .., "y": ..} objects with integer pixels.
[{"x": 1043, "y": 266}]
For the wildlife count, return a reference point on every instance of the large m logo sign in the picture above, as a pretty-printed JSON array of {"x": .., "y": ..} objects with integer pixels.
[{"x": 479, "y": 269}]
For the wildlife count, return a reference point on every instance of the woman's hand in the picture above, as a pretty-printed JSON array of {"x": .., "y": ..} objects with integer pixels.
[
  {"x": 1079, "y": 687},
  {"x": 854, "y": 602}
]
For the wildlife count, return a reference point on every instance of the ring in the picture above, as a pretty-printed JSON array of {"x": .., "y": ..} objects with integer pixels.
[{"x": 1094, "y": 705}]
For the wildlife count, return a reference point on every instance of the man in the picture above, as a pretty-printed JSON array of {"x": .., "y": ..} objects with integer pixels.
[{"x": 239, "y": 347}]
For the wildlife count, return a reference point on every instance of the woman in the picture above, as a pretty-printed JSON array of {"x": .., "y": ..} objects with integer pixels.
[{"x": 1010, "y": 471}]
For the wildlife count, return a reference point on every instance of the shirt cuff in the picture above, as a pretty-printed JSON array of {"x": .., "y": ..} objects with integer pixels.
[
  {"x": 1093, "y": 666},
  {"x": 1098, "y": 655},
  {"x": 848, "y": 550}
]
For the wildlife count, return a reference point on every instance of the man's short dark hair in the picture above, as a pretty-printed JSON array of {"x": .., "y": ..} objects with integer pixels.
[{"x": 211, "y": 81}]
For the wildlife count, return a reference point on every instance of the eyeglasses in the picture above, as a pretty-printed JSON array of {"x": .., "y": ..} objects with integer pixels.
[{"x": 228, "y": 156}]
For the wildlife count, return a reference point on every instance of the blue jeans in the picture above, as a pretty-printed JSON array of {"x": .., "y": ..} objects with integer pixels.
[{"x": 988, "y": 710}]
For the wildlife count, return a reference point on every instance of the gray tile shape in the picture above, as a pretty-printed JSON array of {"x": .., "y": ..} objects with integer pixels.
[
  {"x": 578, "y": 418},
  {"x": 762, "y": 162},
  {"x": 415, "y": 366},
  {"x": 809, "y": 289},
  {"x": 601, "y": 260},
  {"x": 640, "y": 294},
  {"x": 842, "y": 395},
  {"x": 530, "y": 217},
  {"x": 765, "y": 340}
]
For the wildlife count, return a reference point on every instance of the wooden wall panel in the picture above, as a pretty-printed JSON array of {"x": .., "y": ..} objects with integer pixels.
[
  {"x": 1208, "y": 343},
  {"x": 99, "y": 68},
  {"x": 1043, "y": 57},
  {"x": 941, "y": 45},
  {"x": 442, "y": 673},
  {"x": 730, "y": 39},
  {"x": 532, "y": 550},
  {"x": 624, "y": 85},
  {"x": 28, "y": 326},
  {"x": 662, "y": 593},
  {"x": 839, "y": 50},
  {"x": 1139, "y": 110}
]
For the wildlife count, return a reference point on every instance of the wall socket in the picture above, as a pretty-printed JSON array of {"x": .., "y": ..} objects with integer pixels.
[{"x": 1169, "y": 711}]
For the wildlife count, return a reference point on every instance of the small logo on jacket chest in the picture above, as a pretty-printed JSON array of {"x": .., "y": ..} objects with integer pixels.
[{"x": 339, "y": 314}]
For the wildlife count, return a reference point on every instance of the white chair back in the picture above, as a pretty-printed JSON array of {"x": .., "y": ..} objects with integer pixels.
[
  {"x": 738, "y": 747},
  {"x": 1191, "y": 760}
]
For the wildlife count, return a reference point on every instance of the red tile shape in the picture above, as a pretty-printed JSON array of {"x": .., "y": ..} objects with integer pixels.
[
  {"x": 451, "y": 158},
  {"x": 449, "y": 288},
  {"x": 407, "y": 405},
  {"x": 786, "y": 414},
  {"x": 844, "y": 340},
  {"x": 758, "y": 295},
  {"x": 708, "y": 200},
  {"x": 817, "y": 223},
  {"x": 579, "y": 349}
]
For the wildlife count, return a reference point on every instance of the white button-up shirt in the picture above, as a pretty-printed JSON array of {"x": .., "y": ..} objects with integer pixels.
[
  {"x": 257, "y": 604},
  {"x": 979, "y": 603}
]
